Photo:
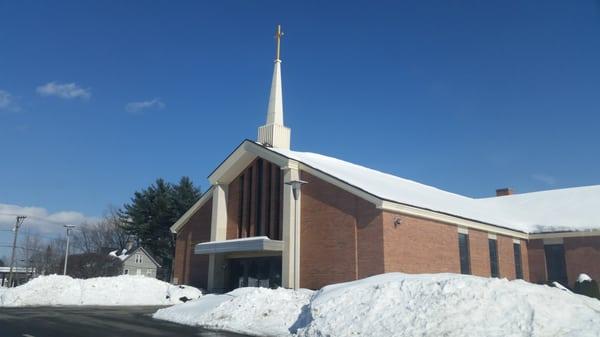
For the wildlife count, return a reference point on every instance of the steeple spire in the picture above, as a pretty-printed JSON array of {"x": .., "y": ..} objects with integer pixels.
[{"x": 274, "y": 133}]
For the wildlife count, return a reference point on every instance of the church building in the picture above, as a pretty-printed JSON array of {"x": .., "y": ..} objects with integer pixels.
[{"x": 278, "y": 217}]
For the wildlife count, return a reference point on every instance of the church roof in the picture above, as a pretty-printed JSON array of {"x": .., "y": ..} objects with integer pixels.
[{"x": 570, "y": 209}]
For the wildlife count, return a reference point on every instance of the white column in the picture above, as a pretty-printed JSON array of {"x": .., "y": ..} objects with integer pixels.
[
  {"x": 218, "y": 232},
  {"x": 290, "y": 266}
]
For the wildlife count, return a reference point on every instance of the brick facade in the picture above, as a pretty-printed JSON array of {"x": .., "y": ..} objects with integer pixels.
[
  {"x": 329, "y": 231},
  {"x": 189, "y": 268},
  {"x": 583, "y": 256},
  {"x": 343, "y": 237},
  {"x": 419, "y": 246}
]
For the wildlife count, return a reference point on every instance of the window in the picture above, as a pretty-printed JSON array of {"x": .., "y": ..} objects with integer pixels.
[
  {"x": 138, "y": 258},
  {"x": 126, "y": 271},
  {"x": 555, "y": 263},
  {"x": 148, "y": 272},
  {"x": 463, "y": 248},
  {"x": 494, "y": 257},
  {"x": 518, "y": 261}
]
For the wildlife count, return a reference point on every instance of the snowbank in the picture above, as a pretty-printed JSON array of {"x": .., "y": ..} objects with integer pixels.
[
  {"x": 398, "y": 305},
  {"x": 118, "y": 290},
  {"x": 252, "y": 311}
]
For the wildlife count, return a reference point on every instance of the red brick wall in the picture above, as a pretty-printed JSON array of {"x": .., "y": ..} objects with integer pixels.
[
  {"x": 479, "y": 250},
  {"x": 582, "y": 256},
  {"x": 419, "y": 245},
  {"x": 190, "y": 268},
  {"x": 506, "y": 257},
  {"x": 340, "y": 235},
  {"x": 537, "y": 261},
  {"x": 525, "y": 260}
]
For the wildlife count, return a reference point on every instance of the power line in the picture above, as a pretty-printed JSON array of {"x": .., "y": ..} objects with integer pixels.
[{"x": 38, "y": 218}]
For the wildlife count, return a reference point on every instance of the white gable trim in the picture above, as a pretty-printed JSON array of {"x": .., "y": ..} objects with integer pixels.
[
  {"x": 450, "y": 219},
  {"x": 579, "y": 234},
  {"x": 188, "y": 214}
]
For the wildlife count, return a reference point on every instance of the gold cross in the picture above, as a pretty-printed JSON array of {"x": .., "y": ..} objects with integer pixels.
[{"x": 278, "y": 35}]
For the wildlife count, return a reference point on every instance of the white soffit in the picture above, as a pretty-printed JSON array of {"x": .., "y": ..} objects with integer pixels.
[{"x": 253, "y": 244}]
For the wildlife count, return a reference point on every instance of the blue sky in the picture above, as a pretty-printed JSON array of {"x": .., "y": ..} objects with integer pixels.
[{"x": 100, "y": 98}]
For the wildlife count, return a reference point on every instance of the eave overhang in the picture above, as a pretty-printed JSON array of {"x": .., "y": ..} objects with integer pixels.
[{"x": 253, "y": 244}]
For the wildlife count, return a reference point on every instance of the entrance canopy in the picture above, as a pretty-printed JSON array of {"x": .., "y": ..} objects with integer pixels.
[{"x": 252, "y": 244}]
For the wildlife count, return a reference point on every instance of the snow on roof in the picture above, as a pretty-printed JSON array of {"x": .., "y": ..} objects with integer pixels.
[
  {"x": 122, "y": 256},
  {"x": 572, "y": 209}
]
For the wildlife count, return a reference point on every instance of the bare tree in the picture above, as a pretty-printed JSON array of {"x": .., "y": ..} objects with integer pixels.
[{"x": 103, "y": 236}]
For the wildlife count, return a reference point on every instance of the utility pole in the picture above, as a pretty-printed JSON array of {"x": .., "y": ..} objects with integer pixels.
[
  {"x": 68, "y": 227},
  {"x": 20, "y": 220}
]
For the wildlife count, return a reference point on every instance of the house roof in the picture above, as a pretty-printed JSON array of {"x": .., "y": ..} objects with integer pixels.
[
  {"x": 571, "y": 209},
  {"x": 562, "y": 210},
  {"x": 125, "y": 255}
]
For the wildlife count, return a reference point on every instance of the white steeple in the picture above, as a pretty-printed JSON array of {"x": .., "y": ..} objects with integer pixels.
[{"x": 274, "y": 133}]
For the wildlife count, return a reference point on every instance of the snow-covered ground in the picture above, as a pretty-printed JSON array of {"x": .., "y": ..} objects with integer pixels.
[
  {"x": 117, "y": 290},
  {"x": 398, "y": 305},
  {"x": 253, "y": 311}
]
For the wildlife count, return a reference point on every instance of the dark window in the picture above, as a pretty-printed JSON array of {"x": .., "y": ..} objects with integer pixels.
[
  {"x": 518, "y": 261},
  {"x": 494, "y": 258},
  {"x": 555, "y": 263},
  {"x": 463, "y": 248}
]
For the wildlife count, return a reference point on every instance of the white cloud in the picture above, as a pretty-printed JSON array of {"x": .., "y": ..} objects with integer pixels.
[
  {"x": 65, "y": 90},
  {"x": 144, "y": 105},
  {"x": 7, "y": 101},
  {"x": 546, "y": 179},
  {"x": 40, "y": 219}
]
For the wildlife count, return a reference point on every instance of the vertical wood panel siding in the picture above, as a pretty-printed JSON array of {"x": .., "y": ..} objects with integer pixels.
[{"x": 255, "y": 201}]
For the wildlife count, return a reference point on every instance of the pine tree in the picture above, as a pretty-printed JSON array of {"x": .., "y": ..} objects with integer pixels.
[{"x": 153, "y": 211}]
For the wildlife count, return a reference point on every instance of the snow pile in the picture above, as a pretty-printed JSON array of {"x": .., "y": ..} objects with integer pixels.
[
  {"x": 449, "y": 305},
  {"x": 398, "y": 305},
  {"x": 118, "y": 290},
  {"x": 254, "y": 311}
]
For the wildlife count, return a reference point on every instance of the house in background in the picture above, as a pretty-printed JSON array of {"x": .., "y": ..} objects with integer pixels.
[
  {"x": 256, "y": 227},
  {"x": 137, "y": 262}
]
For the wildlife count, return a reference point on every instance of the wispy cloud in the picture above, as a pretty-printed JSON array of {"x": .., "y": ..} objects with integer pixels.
[
  {"x": 40, "y": 219},
  {"x": 64, "y": 90},
  {"x": 546, "y": 179},
  {"x": 135, "y": 107},
  {"x": 7, "y": 101}
]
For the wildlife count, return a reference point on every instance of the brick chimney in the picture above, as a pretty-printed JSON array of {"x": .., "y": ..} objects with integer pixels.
[{"x": 504, "y": 191}]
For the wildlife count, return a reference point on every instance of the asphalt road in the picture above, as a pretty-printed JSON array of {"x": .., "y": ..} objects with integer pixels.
[{"x": 92, "y": 322}]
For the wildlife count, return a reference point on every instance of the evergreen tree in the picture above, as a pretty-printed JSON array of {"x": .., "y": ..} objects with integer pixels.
[{"x": 153, "y": 211}]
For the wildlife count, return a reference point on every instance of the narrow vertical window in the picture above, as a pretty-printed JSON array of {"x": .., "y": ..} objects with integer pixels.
[
  {"x": 518, "y": 261},
  {"x": 555, "y": 263},
  {"x": 463, "y": 248},
  {"x": 494, "y": 258}
]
